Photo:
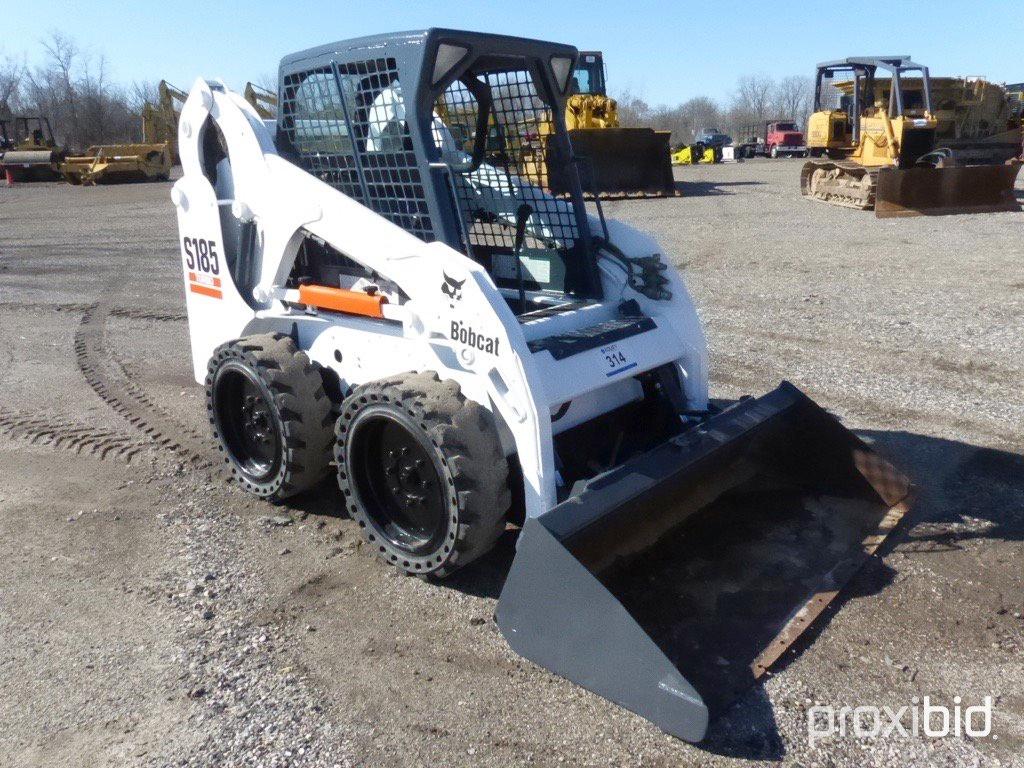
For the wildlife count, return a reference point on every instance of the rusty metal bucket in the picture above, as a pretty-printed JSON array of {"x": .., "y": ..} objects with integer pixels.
[
  {"x": 946, "y": 190},
  {"x": 673, "y": 582}
]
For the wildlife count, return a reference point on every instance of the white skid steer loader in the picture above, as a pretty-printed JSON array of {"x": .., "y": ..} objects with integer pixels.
[{"x": 378, "y": 286}]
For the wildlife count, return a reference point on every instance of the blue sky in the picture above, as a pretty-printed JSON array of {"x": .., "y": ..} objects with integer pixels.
[{"x": 665, "y": 51}]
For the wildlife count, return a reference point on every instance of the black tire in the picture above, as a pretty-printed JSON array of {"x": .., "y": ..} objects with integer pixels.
[
  {"x": 279, "y": 444},
  {"x": 423, "y": 473}
]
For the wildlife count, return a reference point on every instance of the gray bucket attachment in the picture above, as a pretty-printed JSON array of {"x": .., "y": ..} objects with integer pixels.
[{"x": 672, "y": 582}]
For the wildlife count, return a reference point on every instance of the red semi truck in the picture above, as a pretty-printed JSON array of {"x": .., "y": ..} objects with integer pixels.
[
  {"x": 784, "y": 138},
  {"x": 776, "y": 139}
]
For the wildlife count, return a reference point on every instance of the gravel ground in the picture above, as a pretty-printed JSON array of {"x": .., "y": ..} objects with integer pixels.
[{"x": 152, "y": 614}]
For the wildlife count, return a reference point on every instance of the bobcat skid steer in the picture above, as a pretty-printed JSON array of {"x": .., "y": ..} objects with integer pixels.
[{"x": 371, "y": 297}]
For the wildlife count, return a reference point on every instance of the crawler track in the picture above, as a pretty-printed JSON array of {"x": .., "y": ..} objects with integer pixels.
[
  {"x": 839, "y": 183},
  {"x": 127, "y": 397}
]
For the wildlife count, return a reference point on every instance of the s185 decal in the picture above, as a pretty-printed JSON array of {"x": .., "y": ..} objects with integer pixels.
[{"x": 201, "y": 254}]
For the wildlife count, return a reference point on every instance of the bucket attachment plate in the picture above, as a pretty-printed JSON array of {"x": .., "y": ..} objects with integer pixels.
[
  {"x": 949, "y": 190},
  {"x": 671, "y": 583},
  {"x": 621, "y": 162}
]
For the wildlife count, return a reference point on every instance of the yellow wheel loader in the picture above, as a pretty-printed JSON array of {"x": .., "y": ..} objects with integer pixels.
[
  {"x": 616, "y": 161},
  {"x": 873, "y": 143},
  {"x": 33, "y": 154}
]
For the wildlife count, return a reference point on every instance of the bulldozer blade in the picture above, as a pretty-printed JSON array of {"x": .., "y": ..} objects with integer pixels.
[
  {"x": 673, "y": 582},
  {"x": 948, "y": 190},
  {"x": 622, "y": 162}
]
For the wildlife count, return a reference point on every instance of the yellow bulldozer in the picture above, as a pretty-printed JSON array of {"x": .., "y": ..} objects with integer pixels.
[
  {"x": 160, "y": 120},
  {"x": 617, "y": 162},
  {"x": 975, "y": 119},
  {"x": 874, "y": 145}
]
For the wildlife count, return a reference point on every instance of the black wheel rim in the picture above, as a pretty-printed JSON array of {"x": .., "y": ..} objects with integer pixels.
[
  {"x": 246, "y": 421},
  {"x": 398, "y": 483}
]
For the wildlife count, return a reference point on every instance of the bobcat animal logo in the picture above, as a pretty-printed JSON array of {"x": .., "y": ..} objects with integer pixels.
[{"x": 452, "y": 289}]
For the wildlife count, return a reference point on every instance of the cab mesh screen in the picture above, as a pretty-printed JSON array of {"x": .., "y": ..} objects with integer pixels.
[
  {"x": 515, "y": 163},
  {"x": 347, "y": 126}
]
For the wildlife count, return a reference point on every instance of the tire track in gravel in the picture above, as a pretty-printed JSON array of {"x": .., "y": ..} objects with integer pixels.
[
  {"x": 131, "y": 313},
  {"x": 126, "y": 397},
  {"x": 990, "y": 372},
  {"x": 79, "y": 438}
]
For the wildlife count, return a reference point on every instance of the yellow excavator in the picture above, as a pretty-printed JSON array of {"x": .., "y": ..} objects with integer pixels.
[
  {"x": 616, "y": 161},
  {"x": 263, "y": 100},
  {"x": 160, "y": 120},
  {"x": 873, "y": 145}
]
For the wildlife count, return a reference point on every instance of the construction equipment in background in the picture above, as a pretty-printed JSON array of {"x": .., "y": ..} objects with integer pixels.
[
  {"x": 692, "y": 154},
  {"x": 882, "y": 154},
  {"x": 416, "y": 313},
  {"x": 263, "y": 100},
  {"x": 119, "y": 164},
  {"x": 33, "y": 154},
  {"x": 775, "y": 138},
  {"x": 975, "y": 120},
  {"x": 1015, "y": 95},
  {"x": 160, "y": 120},
  {"x": 617, "y": 162},
  {"x": 783, "y": 138}
]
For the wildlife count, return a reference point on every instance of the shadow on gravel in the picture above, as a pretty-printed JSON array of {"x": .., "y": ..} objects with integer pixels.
[
  {"x": 954, "y": 481},
  {"x": 324, "y": 499},
  {"x": 712, "y": 188},
  {"x": 962, "y": 492},
  {"x": 957, "y": 485}
]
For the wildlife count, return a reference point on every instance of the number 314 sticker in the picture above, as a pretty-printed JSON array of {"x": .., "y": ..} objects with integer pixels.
[{"x": 616, "y": 360}]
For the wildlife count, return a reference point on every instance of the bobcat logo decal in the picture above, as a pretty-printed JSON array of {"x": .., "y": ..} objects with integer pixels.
[{"x": 452, "y": 289}]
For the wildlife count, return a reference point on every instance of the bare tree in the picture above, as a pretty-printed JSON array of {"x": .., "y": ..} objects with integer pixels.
[
  {"x": 794, "y": 97},
  {"x": 267, "y": 81},
  {"x": 12, "y": 72},
  {"x": 683, "y": 120},
  {"x": 71, "y": 88},
  {"x": 754, "y": 93},
  {"x": 633, "y": 110}
]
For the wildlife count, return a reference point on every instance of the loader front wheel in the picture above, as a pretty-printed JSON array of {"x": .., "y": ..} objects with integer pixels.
[
  {"x": 423, "y": 473},
  {"x": 270, "y": 415}
]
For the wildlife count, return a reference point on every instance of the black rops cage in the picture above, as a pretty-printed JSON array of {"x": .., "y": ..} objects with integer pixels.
[{"x": 449, "y": 135}]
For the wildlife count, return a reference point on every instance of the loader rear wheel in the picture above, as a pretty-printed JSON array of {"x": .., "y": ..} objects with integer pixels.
[
  {"x": 423, "y": 473},
  {"x": 270, "y": 415}
]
